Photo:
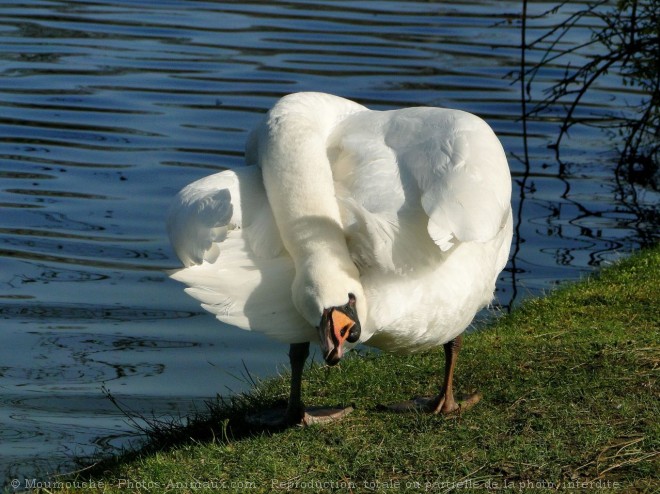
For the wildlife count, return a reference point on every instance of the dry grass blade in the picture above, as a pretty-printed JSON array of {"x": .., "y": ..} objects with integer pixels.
[{"x": 623, "y": 455}]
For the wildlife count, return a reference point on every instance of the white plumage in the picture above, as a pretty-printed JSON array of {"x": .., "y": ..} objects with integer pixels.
[{"x": 409, "y": 210}]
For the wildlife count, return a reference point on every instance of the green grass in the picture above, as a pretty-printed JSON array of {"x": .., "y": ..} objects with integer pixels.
[{"x": 570, "y": 402}]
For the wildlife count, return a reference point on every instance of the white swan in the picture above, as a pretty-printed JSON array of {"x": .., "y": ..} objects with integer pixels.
[{"x": 387, "y": 228}]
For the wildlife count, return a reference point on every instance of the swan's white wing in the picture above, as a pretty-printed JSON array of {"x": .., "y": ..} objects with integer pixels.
[
  {"x": 201, "y": 215},
  {"x": 223, "y": 230},
  {"x": 461, "y": 170},
  {"x": 410, "y": 181}
]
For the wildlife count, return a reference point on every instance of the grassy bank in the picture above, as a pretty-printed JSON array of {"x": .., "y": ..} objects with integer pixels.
[{"x": 570, "y": 402}]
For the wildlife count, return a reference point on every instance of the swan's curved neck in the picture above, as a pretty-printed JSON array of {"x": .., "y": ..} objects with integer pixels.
[{"x": 298, "y": 180}]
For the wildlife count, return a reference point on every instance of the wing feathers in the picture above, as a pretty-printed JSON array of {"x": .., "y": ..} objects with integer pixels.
[
  {"x": 399, "y": 170},
  {"x": 223, "y": 230}
]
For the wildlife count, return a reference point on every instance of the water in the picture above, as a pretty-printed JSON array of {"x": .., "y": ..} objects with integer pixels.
[{"x": 107, "y": 108}]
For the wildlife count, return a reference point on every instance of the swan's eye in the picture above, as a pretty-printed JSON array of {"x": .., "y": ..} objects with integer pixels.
[{"x": 354, "y": 334}]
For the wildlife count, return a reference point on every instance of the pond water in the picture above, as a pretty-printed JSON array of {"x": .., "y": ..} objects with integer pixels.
[{"x": 108, "y": 108}]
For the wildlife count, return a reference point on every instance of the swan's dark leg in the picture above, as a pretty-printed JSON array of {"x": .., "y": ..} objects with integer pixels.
[
  {"x": 445, "y": 402},
  {"x": 295, "y": 410}
]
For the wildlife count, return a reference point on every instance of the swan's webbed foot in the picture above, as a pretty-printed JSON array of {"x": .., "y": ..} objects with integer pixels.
[
  {"x": 302, "y": 416},
  {"x": 295, "y": 413},
  {"x": 437, "y": 405},
  {"x": 444, "y": 403},
  {"x": 320, "y": 415},
  {"x": 281, "y": 418},
  {"x": 447, "y": 405}
]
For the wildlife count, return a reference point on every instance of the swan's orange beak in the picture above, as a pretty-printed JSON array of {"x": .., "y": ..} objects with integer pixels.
[{"x": 337, "y": 326}]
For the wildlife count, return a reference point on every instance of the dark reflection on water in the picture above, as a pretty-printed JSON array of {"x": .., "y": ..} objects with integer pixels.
[
  {"x": 73, "y": 312},
  {"x": 107, "y": 108}
]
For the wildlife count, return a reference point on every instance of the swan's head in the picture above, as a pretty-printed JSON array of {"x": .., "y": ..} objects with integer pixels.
[{"x": 338, "y": 325}]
